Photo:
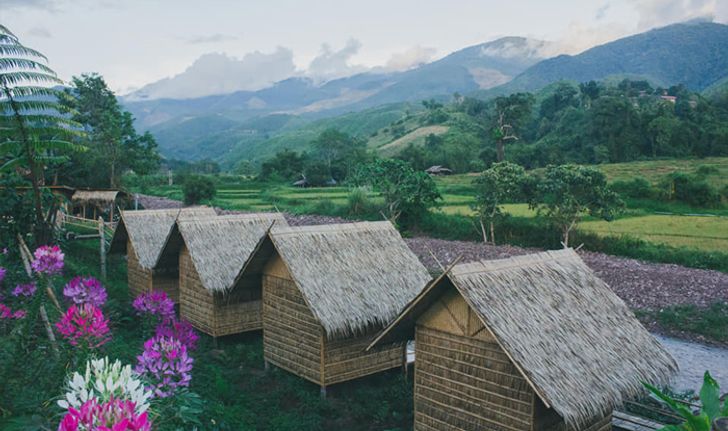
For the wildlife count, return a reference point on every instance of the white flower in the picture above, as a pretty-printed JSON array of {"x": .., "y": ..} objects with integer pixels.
[{"x": 103, "y": 380}]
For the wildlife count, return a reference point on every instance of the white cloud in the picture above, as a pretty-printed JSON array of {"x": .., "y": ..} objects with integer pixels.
[
  {"x": 210, "y": 38},
  {"x": 39, "y": 32},
  {"x": 217, "y": 73},
  {"x": 410, "y": 58},
  {"x": 658, "y": 13},
  {"x": 331, "y": 64}
]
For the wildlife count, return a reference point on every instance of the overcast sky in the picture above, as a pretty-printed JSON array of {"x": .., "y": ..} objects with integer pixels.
[{"x": 135, "y": 42}]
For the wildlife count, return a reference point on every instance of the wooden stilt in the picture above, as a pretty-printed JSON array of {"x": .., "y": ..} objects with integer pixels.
[
  {"x": 323, "y": 392},
  {"x": 266, "y": 366},
  {"x": 102, "y": 248}
]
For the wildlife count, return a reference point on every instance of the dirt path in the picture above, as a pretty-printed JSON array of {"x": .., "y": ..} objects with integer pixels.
[{"x": 693, "y": 360}]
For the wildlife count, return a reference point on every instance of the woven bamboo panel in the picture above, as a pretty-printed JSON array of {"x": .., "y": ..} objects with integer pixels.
[
  {"x": 138, "y": 278},
  {"x": 216, "y": 314},
  {"x": 168, "y": 283},
  {"x": 347, "y": 359},
  {"x": 469, "y": 384},
  {"x": 291, "y": 335},
  {"x": 546, "y": 419}
]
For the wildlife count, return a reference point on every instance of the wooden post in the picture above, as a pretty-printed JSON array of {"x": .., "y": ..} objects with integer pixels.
[
  {"x": 111, "y": 213},
  {"x": 266, "y": 365},
  {"x": 404, "y": 360},
  {"x": 323, "y": 392},
  {"x": 102, "y": 248}
]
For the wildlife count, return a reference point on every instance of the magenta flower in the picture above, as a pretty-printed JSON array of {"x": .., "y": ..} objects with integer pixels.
[
  {"x": 155, "y": 303},
  {"x": 179, "y": 329},
  {"x": 165, "y": 363},
  {"x": 27, "y": 289},
  {"x": 84, "y": 325},
  {"x": 7, "y": 313},
  {"x": 85, "y": 290},
  {"x": 48, "y": 260},
  {"x": 114, "y": 415}
]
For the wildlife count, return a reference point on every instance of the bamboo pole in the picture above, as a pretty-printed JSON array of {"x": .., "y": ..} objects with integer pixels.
[{"x": 102, "y": 248}]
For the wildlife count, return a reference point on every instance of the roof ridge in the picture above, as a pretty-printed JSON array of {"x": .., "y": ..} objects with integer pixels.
[
  {"x": 495, "y": 265},
  {"x": 332, "y": 228}
]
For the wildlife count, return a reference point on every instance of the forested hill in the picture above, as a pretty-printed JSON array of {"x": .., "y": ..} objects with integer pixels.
[{"x": 693, "y": 54}]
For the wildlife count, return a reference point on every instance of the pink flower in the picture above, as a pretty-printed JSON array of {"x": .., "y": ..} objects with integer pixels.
[
  {"x": 84, "y": 325},
  {"x": 7, "y": 313},
  {"x": 165, "y": 363},
  {"x": 48, "y": 260},
  {"x": 27, "y": 289},
  {"x": 85, "y": 290},
  {"x": 114, "y": 415},
  {"x": 179, "y": 329},
  {"x": 155, "y": 303}
]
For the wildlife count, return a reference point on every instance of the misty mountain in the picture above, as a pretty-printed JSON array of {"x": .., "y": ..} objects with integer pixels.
[{"x": 694, "y": 54}]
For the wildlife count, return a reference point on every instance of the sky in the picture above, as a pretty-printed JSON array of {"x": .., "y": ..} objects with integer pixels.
[{"x": 136, "y": 42}]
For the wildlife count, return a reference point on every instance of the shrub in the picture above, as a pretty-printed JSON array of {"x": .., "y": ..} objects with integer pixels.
[
  {"x": 358, "y": 201},
  {"x": 693, "y": 191},
  {"x": 637, "y": 187},
  {"x": 197, "y": 188}
]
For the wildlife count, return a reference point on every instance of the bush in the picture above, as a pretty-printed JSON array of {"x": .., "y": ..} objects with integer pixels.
[
  {"x": 358, "y": 201},
  {"x": 693, "y": 191},
  {"x": 638, "y": 188},
  {"x": 198, "y": 188}
]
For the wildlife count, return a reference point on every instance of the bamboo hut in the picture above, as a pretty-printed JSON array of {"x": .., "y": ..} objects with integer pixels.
[
  {"x": 327, "y": 290},
  {"x": 534, "y": 342},
  {"x": 142, "y": 235},
  {"x": 91, "y": 204},
  {"x": 215, "y": 297}
]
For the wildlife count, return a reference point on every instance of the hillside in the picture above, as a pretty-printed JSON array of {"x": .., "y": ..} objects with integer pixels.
[{"x": 692, "y": 54}]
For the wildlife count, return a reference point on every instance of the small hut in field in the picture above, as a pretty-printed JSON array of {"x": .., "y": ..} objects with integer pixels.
[
  {"x": 142, "y": 235},
  {"x": 534, "y": 342},
  {"x": 92, "y": 204},
  {"x": 215, "y": 297},
  {"x": 327, "y": 290}
]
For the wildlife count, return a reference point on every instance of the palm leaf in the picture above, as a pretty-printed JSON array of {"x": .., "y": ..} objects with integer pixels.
[
  {"x": 710, "y": 396},
  {"x": 14, "y": 78},
  {"x": 23, "y": 63}
]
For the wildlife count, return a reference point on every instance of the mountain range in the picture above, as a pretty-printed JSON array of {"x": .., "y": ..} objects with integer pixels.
[{"x": 238, "y": 124}]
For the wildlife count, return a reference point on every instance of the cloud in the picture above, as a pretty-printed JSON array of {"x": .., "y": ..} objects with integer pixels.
[
  {"x": 49, "y": 5},
  {"x": 331, "y": 64},
  {"x": 410, "y": 58},
  {"x": 39, "y": 32},
  {"x": 602, "y": 11},
  {"x": 210, "y": 38},
  {"x": 658, "y": 13},
  {"x": 518, "y": 47},
  {"x": 217, "y": 73}
]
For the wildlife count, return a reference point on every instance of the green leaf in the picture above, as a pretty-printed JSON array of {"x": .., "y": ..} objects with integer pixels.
[{"x": 710, "y": 396}]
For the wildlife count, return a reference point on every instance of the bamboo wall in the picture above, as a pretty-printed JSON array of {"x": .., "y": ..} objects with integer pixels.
[
  {"x": 465, "y": 381},
  {"x": 138, "y": 278},
  {"x": 294, "y": 340},
  {"x": 216, "y": 314}
]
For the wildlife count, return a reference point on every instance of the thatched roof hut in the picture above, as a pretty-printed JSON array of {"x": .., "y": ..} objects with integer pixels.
[
  {"x": 99, "y": 201},
  {"x": 142, "y": 235},
  {"x": 327, "y": 290},
  {"x": 525, "y": 343},
  {"x": 214, "y": 295}
]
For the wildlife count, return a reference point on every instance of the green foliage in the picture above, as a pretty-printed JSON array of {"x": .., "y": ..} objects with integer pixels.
[
  {"x": 502, "y": 182},
  {"x": 566, "y": 193},
  {"x": 637, "y": 187},
  {"x": 114, "y": 145},
  {"x": 198, "y": 188},
  {"x": 711, "y": 322},
  {"x": 285, "y": 165},
  {"x": 407, "y": 193},
  {"x": 693, "y": 191},
  {"x": 35, "y": 133},
  {"x": 358, "y": 201},
  {"x": 712, "y": 407}
]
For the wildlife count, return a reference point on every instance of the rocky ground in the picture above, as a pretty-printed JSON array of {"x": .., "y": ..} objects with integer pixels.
[{"x": 642, "y": 285}]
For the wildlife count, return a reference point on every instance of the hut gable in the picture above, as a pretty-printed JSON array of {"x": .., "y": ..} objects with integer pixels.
[
  {"x": 353, "y": 276},
  {"x": 577, "y": 343},
  {"x": 220, "y": 246},
  {"x": 95, "y": 197},
  {"x": 148, "y": 231}
]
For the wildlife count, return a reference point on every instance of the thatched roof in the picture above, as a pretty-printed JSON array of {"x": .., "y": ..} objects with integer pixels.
[
  {"x": 220, "y": 246},
  {"x": 148, "y": 231},
  {"x": 96, "y": 197},
  {"x": 575, "y": 340},
  {"x": 353, "y": 276}
]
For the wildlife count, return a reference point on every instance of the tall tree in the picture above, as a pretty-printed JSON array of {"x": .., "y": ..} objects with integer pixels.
[
  {"x": 503, "y": 182},
  {"x": 33, "y": 130},
  {"x": 510, "y": 113},
  {"x": 339, "y": 151},
  {"x": 114, "y": 143}
]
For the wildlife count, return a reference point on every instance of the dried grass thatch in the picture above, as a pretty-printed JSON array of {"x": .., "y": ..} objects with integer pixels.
[
  {"x": 220, "y": 246},
  {"x": 95, "y": 197},
  {"x": 575, "y": 340},
  {"x": 148, "y": 231},
  {"x": 353, "y": 276}
]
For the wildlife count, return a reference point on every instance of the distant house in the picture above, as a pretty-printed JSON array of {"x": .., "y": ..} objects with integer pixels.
[
  {"x": 91, "y": 204},
  {"x": 438, "y": 170},
  {"x": 671, "y": 99},
  {"x": 534, "y": 342},
  {"x": 303, "y": 182}
]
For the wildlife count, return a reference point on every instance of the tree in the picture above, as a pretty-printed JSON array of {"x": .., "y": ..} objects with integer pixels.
[
  {"x": 339, "y": 151},
  {"x": 33, "y": 130},
  {"x": 198, "y": 188},
  {"x": 566, "y": 193},
  {"x": 510, "y": 112},
  {"x": 114, "y": 144},
  {"x": 502, "y": 182},
  {"x": 407, "y": 193},
  {"x": 287, "y": 165}
]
